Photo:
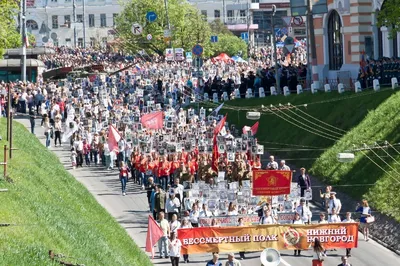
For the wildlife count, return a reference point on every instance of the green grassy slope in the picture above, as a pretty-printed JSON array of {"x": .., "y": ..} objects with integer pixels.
[
  {"x": 366, "y": 117},
  {"x": 50, "y": 210}
]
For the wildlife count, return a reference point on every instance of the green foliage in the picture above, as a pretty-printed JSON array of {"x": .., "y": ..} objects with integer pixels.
[
  {"x": 51, "y": 210},
  {"x": 218, "y": 27},
  {"x": 389, "y": 16},
  {"x": 187, "y": 26},
  {"x": 367, "y": 117},
  {"x": 229, "y": 44},
  {"x": 9, "y": 37}
]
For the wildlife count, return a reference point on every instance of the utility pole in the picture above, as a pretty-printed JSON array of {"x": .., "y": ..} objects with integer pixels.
[
  {"x": 277, "y": 78},
  {"x": 313, "y": 47},
  {"x": 223, "y": 12},
  {"x": 24, "y": 42},
  {"x": 169, "y": 25},
  {"x": 248, "y": 31},
  {"x": 84, "y": 23},
  {"x": 74, "y": 20}
]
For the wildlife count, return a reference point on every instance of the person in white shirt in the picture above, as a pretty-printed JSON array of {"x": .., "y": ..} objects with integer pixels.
[
  {"x": 178, "y": 189},
  {"x": 334, "y": 217},
  {"x": 267, "y": 218},
  {"x": 297, "y": 220},
  {"x": 348, "y": 220},
  {"x": 205, "y": 212},
  {"x": 172, "y": 205},
  {"x": 304, "y": 211},
  {"x": 194, "y": 216},
  {"x": 174, "y": 225},
  {"x": 272, "y": 165},
  {"x": 334, "y": 204},
  {"x": 162, "y": 243},
  {"x": 283, "y": 166},
  {"x": 174, "y": 245},
  {"x": 186, "y": 224}
]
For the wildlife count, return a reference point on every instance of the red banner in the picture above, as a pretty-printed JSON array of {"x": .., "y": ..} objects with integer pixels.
[
  {"x": 271, "y": 182},
  {"x": 153, "y": 120},
  {"x": 257, "y": 238}
]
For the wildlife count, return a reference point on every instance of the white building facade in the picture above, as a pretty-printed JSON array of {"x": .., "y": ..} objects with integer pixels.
[
  {"x": 252, "y": 16},
  {"x": 51, "y": 21}
]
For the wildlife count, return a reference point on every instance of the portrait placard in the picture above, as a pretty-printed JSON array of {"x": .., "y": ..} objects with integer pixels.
[
  {"x": 223, "y": 195},
  {"x": 221, "y": 176}
]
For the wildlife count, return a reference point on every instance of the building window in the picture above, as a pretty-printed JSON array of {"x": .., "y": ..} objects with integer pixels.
[
  {"x": 92, "y": 41},
  {"x": 67, "y": 20},
  {"x": 242, "y": 13},
  {"x": 79, "y": 18},
  {"x": 115, "y": 19},
  {"x": 335, "y": 41},
  {"x": 103, "y": 20},
  {"x": 68, "y": 41},
  {"x": 80, "y": 42},
  {"x": 217, "y": 13},
  {"x": 229, "y": 14},
  {"x": 91, "y": 20},
  {"x": 32, "y": 25},
  {"x": 204, "y": 14},
  {"x": 54, "y": 22}
]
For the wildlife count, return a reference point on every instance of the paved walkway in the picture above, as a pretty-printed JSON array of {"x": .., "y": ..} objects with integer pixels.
[{"x": 131, "y": 212}]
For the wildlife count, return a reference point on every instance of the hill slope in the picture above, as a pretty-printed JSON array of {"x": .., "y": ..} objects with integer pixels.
[
  {"x": 49, "y": 210},
  {"x": 300, "y": 136}
]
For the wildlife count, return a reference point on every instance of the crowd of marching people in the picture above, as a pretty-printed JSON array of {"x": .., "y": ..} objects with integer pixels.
[{"x": 133, "y": 123}]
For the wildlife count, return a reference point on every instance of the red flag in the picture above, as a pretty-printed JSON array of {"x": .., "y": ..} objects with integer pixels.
[
  {"x": 215, "y": 154},
  {"x": 254, "y": 128},
  {"x": 154, "y": 233},
  {"x": 153, "y": 120},
  {"x": 219, "y": 126},
  {"x": 113, "y": 138}
]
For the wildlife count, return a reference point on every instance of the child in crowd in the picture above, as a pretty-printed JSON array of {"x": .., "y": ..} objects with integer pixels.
[{"x": 73, "y": 158}]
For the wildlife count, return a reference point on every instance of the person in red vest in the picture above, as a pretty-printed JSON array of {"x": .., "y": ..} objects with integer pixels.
[
  {"x": 164, "y": 169},
  {"x": 123, "y": 176}
]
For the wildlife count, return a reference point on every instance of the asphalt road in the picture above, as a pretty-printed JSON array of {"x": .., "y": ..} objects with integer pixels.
[{"x": 131, "y": 212}]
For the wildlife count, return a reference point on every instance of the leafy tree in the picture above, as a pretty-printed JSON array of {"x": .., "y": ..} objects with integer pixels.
[
  {"x": 187, "y": 26},
  {"x": 9, "y": 36},
  {"x": 217, "y": 27},
  {"x": 389, "y": 16},
  {"x": 231, "y": 45}
]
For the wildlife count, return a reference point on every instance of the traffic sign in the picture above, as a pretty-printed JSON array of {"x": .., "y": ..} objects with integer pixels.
[
  {"x": 284, "y": 31},
  {"x": 167, "y": 33},
  {"x": 287, "y": 20},
  {"x": 137, "y": 29},
  {"x": 289, "y": 44},
  {"x": 197, "y": 49},
  {"x": 189, "y": 56},
  {"x": 277, "y": 31},
  {"x": 214, "y": 38},
  {"x": 151, "y": 16},
  {"x": 298, "y": 20},
  {"x": 244, "y": 36},
  {"x": 149, "y": 37}
]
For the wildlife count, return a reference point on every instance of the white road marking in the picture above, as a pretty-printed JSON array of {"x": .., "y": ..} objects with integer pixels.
[{"x": 284, "y": 262}]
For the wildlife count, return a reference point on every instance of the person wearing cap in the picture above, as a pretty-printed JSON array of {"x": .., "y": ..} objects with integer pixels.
[
  {"x": 232, "y": 261},
  {"x": 172, "y": 205},
  {"x": 304, "y": 211}
]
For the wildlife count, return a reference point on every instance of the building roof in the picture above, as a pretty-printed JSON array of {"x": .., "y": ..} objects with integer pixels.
[
  {"x": 17, "y": 63},
  {"x": 29, "y": 51}
]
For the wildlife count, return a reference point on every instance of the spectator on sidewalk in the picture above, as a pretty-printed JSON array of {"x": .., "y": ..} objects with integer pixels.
[{"x": 365, "y": 211}]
